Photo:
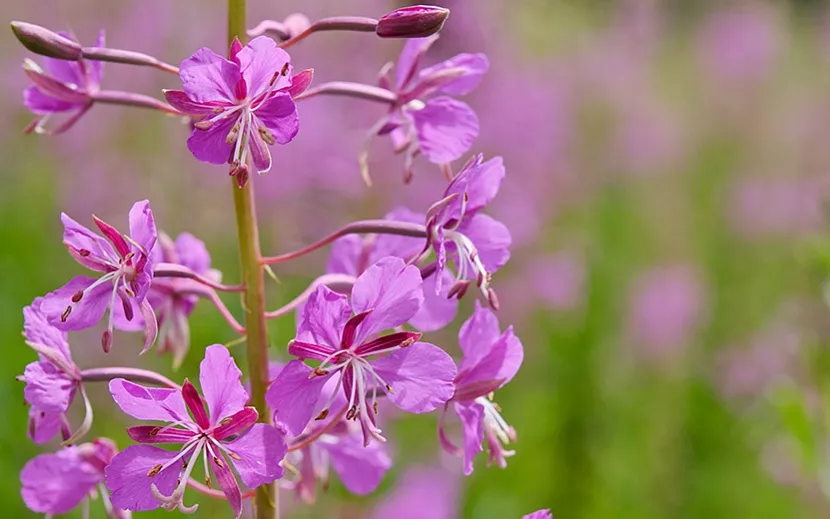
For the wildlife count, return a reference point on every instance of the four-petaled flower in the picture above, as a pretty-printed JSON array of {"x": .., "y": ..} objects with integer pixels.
[
  {"x": 57, "y": 483},
  {"x": 61, "y": 86},
  {"x": 127, "y": 267},
  {"x": 424, "y": 118},
  {"x": 173, "y": 298},
  {"x": 51, "y": 381},
  {"x": 491, "y": 360},
  {"x": 244, "y": 104},
  {"x": 143, "y": 477},
  {"x": 415, "y": 376}
]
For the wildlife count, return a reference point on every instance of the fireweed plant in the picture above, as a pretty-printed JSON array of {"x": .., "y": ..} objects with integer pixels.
[{"x": 359, "y": 345}]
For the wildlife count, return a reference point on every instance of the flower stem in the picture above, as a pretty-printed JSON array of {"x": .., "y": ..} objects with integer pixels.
[{"x": 265, "y": 500}]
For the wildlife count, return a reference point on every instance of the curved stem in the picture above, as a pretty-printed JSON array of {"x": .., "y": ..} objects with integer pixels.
[
  {"x": 338, "y": 23},
  {"x": 350, "y": 89},
  {"x": 173, "y": 270},
  {"x": 361, "y": 227},
  {"x": 131, "y": 374},
  {"x": 329, "y": 280},
  {"x": 117, "y": 97},
  {"x": 220, "y": 305},
  {"x": 203, "y": 489},
  {"x": 304, "y": 441},
  {"x": 127, "y": 57}
]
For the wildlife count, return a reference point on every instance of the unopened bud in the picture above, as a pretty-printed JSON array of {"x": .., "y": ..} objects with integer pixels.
[
  {"x": 415, "y": 21},
  {"x": 41, "y": 40}
]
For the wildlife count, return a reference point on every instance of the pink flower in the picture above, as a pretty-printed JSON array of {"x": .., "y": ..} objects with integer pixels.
[
  {"x": 144, "y": 477},
  {"x": 244, "y": 103},
  {"x": 539, "y": 514},
  {"x": 127, "y": 268},
  {"x": 491, "y": 360},
  {"x": 415, "y": 376}
]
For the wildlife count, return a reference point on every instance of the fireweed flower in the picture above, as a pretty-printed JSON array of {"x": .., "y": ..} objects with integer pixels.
[
  {"x": 52, "y": 381},
  {"x": 244, "y": 103},
  {"x": 360, "y": 468},
  {"x": 57, "y": 483},
  {"x": 424, "y": 118},
  {"x": 173, "y": 299},
  {"x": 421, "y": 492},
  {"x": 539, "y": 514},
  {"x": 143, "y": 477},
  {"x": 127, "y": 267},
  {"x": 415, "y": 376},
  {"x": 61, "y": 86},
  {"x": 491, "y": 360},
  {"x": 457, "y": 230},
  {"x": 352, "y": 255}
]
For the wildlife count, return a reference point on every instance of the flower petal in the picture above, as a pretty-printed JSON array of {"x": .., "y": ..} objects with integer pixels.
[
  {"x": 410, "y": 59},
  {"x": 143, "y": 226},
  {"x": 149, "y": 403},
  {"x": 360, "y": 468},
  {"x": 481, "y": 182},
  {"x": 404, "y": 247},
  {"x": 491, "y": 238},
  {"x": 487, "y": 357},
  {"x": 219, "y": 377},
  {"x": 293, "y": 396},
  {"x": 192, "y": 253},
  {"x": 43, "y": 426},
  {"x": 324, "y": 315},
  {"x": 260, "y": 60},
  {"x": 158, "y": 434},
  {"x": 471, "y": 416},
  {"x": 85, "y": 313},
  {"x": 209, "y": 145},
  {"x": 438, "y": 310},
  {"x": 478, "y": 334},
  {"x": 228, "y": 483},
  {"x": 57, "y": 483},
  {"x": 42, "y": 104},
  {"x": 473, "y": 65},
  {"x": 128, "y": 481},
  {"x": 539, "y": 514},
  {"x": 300, "y": 82},
  {"x": 37, "y": 329},
  {"x": 179, "y": 100},
  {"x": 279, "y": 114},
  {"x": 207, "y": 76},
  {"x": 392, "y": 291},
  {"x": 236, "y": 423},
  {"x": 260, "y": 154},
  {"x": 260, "y": 449},
  {"x": 446, "y": 129},
  {"x": 346, "y": 255},
  {"x": 47, "y": 387},
  {"x": 420, "y": 375},
  {"x": 421, "y": 492},
  {"x": 89, "y": 249}
]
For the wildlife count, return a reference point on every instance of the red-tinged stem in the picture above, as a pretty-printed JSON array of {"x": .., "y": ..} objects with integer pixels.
[
  {"x": 339, "y": 23},
  {"x": 361, "y": 227},
  {"x": 266, "y": 499},
  {"x": 329, "y": 280},
  {"x": 304, "y": 441},
  {"x": 116, "y": 97},
  {"x": 131, "y": 374},
  {"x": 203, "y": 489},
  {"x": 127, "y": 57},
  {"x": 350, "y": 89},
  {"x": 220, "y": 306},
  {"x": 172, "y": 270}
]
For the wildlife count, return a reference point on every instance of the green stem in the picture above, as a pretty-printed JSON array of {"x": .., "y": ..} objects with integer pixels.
[{"x": 266, "y": 498}]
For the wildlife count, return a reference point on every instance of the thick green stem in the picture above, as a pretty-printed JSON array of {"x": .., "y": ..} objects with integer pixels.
[{"x": 266, "y": 499}]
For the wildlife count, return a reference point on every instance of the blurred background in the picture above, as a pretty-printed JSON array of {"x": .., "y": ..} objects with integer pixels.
[{"x": 667, "y": 170}]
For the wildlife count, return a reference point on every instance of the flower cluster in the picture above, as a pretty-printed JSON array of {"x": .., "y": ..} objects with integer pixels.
[{"x": 359, "y": 352}]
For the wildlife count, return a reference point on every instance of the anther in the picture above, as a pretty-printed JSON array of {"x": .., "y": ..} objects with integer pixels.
[
  {"x": 154, "y": 431},
  {"x": 225, "y": 421},
  {"x": 77, "y": 296},
  {"x": 323, "y": 414},
  {"x": 408, "y": 342},
  {"x": 203, "y": 125},
  {"x": 284, "y": 71},
  {"x": 207, "y": 480},
  {"x": 318, "y": 373},
  {"x": 65, "y": 314},
  {"x": 375, "y": 407},
  {"x": 389, "y": 389},
  {"x": 352, "y": 413},
  {"x": 218, "y": 462},
  {"x": 106, "y": 341},
  {"x": 84, "y": 253},
  {"x": 493, "y": 299},
  {"x": 235, "y": 456},
  {"x": 155, "y": 470},
  {"x": 267, "y": 136},
  {"x": 233, "y": 134}
]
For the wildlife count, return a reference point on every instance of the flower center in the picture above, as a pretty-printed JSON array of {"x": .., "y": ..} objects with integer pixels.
[{"x": 498, "y": 431}]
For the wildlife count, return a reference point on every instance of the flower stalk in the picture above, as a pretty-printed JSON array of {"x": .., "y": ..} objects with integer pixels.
[{"x": 253, "y": 275}]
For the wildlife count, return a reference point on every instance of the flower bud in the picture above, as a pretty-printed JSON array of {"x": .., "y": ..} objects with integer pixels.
[
  {"x": 414, "y": 21},
  {"x": 41, "y": 40}
]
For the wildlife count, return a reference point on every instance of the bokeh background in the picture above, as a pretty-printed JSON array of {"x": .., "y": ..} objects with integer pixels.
[{"x": 668, "y": 166}]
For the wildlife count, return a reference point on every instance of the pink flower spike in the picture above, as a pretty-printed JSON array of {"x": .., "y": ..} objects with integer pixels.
[{"x": 145, "y": 477}]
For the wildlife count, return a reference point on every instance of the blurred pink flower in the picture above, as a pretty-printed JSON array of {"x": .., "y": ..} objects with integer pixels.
[
  {"x": 666, "y": 306},
  {"x": 782, "y": 206},
  {"x": 422, "y": 492}
]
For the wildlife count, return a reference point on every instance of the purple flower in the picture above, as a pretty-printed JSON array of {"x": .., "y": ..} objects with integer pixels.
[
  {"x": 457, "y": 230},
  {"x": 539, "y": 514},
  {"x": 144, "y": 477},
  {"x": 415, "y": 376},
  {"x": 245, "y": 103},
  {"x": 421, "y": 492},
  {"x": 57, "y": 483},
  {"x": 491, "y": 360},
  {"x": 424, "y": 118},
  {"x": 338, "y": 444},
  {"x": 51, "y": 381},
  {"x": 172, "y": 298},
  {"x": 127, "y": 267},
  {"x": 61, "y": 86},
  {"x": 352, "y": 254}
]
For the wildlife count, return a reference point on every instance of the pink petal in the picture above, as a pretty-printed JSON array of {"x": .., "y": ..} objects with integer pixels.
[
  {"x": 471, "y": 416},
  {"x": 360, "y": 468},
  {"x": 421, "y": 376},
  {"x": 47, "y": 388},
  {"x": 324, "y": 315},
  {"x": 279, "y": 114},
  {"x": 261, "y": 450},
  {"x": 38, "y": 330},
  {"x": 260, "y": 154},
  {"x": 43, "y": 426},
  {"x": 236, "y": 423},
  {"x": 474, "y": 65},
  {"x": 143, "y": 226},
  {"x": 300, "y": 82},
  {"x": 88, "y": 248},
  {"x": 57, "y": 483},
  {"x": 179, "y": 100},
  {"x": 437, "y": 310},
  {"x": 149, "y": 403},
  {"x": 446, "y": 129},
  {"x": 227, "y": 481},
  {"x": 207, "y": 76},
  {"x": 128, "y": 482},
  {"x": 392, "y": 290},
  {"x": 293, "y": 396},
  {"x": 259, "y": 61},
  {"x": 491, "y": 238},
  {"x": 158, "y": 434},
  {"x": 481, "y": 182},
  {"x": 477, "y": 333},
  {"x": 86, "y": 313},
  {"x": 219, "y": 377},
  {"x": 39, "y": 103},
  {"x": 346, "y": 255},
  {"x": 401, "y": 246},
  {"x": 539, "y": 514},
  {"x": 194, "y": 404},
  {"x": 209, "y": 145},
  {"x": 410, "y": 59}
]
